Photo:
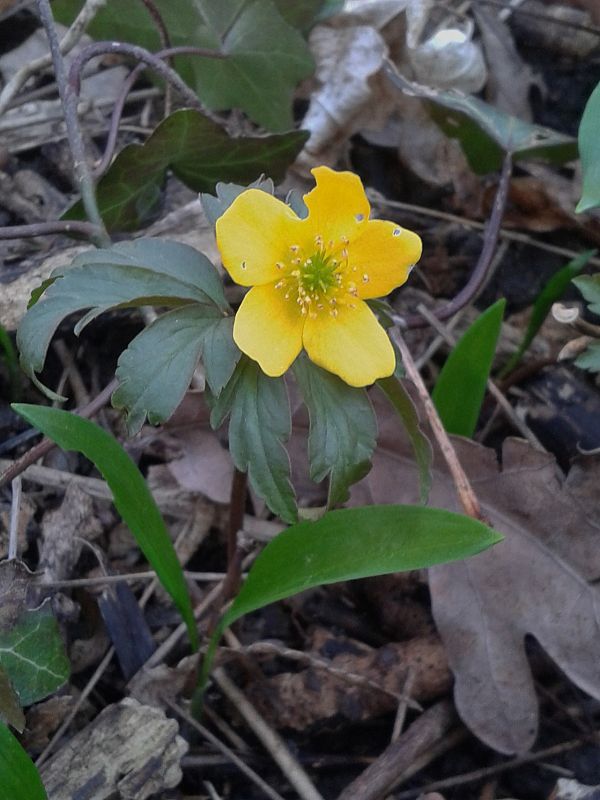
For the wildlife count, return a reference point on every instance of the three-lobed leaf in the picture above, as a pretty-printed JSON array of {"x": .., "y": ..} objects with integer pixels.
[
  {"x": 343, "y": 429},
  {"x": 460, "y": 387},
  {"x": 263, "y": 57},
  {"x": 155, "y": 370},
  {"x": 144, "y": 271},
  {"x": 130, "y": 493},
  {"x": 199, "y": 152},
  {"x": 589, "y": 151},
  {"x": 19, "y": 777},
  {"x": 260, "y": 422}
]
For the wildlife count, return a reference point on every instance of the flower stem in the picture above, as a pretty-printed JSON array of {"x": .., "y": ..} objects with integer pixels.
[{"x": 69, "y": 99}]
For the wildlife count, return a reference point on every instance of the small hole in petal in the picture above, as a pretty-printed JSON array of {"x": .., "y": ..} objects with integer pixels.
[
  {"x": 396, "y": 231},
  {"x": 244, "y": 265},
  {"x": 359, "y": 217}
]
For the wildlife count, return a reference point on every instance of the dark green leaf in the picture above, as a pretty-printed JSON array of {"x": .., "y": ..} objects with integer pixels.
[
  {"x": 264, "y": 60},
  {"x": 131, "y": 496},
  {"x": 589, "y": 286},
  {"x": 590, "y": 358},
  {"x": 199, "y": 152},
  {"x": 19, "y": 778},
  {"x": 150, "y": 271},
  {"x": 33, "y": 655},
  {"x": 225, "y": 193},
  {"x": 354, "y": 543},
  {"x": 550, "y": 293},
  {"x": 11, "y": 361},
  {"x": 460, "y": 388},
  {"x": 155, "y": 371},
  {"x": 300, "y": 14},
  {"x": 220, "y": 355},
  {"x": 260, "y": 423},
  {"x": 589, "y": 150},
  {"x": 10, "y": 708},
  {"x": 485, "y": 133},
  {"x": 400, "y": 399},
  {"x": 343, "y": 430}
]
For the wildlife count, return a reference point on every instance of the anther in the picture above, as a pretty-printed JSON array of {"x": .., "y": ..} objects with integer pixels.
[
  {"x": 365, "y": 278},
  {"x": 294, "y": 248},
  {"x": 296, "y": 261},
  {"x": 333, "y": 312},
  {"x": 244, "y": 265},
  {"x": 345, "y": 252},
  {"x": 344, "y": 240},
  {"x": 279, "y": 284},
  {"x": 279, "y": 265}
]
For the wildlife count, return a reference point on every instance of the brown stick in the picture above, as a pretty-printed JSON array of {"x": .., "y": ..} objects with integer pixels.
[{"x": 377, "y": 779}]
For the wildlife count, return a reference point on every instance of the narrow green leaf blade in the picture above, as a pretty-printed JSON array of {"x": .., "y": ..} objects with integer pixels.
[
  {"x": 260, "y": 423},
  {"x": 589, "y": 151},
  {"x": 460, "y": 388},
  {"x": 131, "y": 495},
  {"x": 550, "y": 293},
  {"x": 19, "y": 778},
  {"x": 155, "y": 371},
  {"x": 353, "y": 543},
  {"x": 401, "y": 401},
  {"x": 33, "y": 656},
  {"x": 343, "y": 429}
]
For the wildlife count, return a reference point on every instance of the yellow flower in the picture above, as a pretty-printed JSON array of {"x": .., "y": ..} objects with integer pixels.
[{"x": 310, "y": 277}]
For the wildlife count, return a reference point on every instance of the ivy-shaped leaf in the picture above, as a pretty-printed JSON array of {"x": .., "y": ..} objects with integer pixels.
[
  {"x": 155, "y": 371},
  {"x": 33, "y": 656},
  {"x": 199, "y": 152},
  {"x": 260, "y": 422},
  {"x": 343, "y": 429},
  {"x": 264, "y": 57}
]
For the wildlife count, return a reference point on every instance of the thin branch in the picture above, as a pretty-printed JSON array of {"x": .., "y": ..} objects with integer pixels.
[
  {"x": 43, "y": 447},
  {"x": 15, "y": 509},
  {"x": 66, "y": 227},
  {"x": 68, "y": 42},
  {"x": 69, "y": 99},
  {"x": 465, "y": 492},
  {"x": 165, "y": 42},
  {"x": 486, "y": 258}
]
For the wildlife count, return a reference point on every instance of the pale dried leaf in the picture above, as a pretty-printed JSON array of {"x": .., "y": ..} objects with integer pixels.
[{"x": 534, "y": 582}]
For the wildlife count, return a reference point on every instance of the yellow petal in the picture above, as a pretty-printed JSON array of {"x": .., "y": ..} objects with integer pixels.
[
  {"x": 337, "y": 206},
  {"x": 380, "y": 259},
  {"x": 268, "y": 328},
  {"x": 352, "y": 345},
  {"x": 254, "y": 234}
]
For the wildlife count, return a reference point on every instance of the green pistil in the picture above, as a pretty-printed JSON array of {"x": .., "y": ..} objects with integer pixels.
[{"x": 318, "y": 274}]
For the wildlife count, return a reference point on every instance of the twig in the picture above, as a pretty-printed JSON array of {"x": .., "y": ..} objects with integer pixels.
[
  {"x": 424, "y": 732},
  {"x": 165, "y": 42},
  {"x": 244, "y": 768},
  {"x": 497, "y": 769},
  {"x": 68, "y": 98},
  {"x": 493, "y": 389},
  {"x": 113, "y": 130},
  {"x": 466, "y": 495},
  {"x": 130, "y": 577},
  {"x": 280, "y": 753},
  {"x": 13, "y": 536},
  {"x": 67, "y": 227},
  {"x": 403, "y": 705},
  {"x": 235, "y": 524},
  {"x": 68, "y": 42},
  {"x": 43, "y": 447},
  {"x": 481, "y": 271}
]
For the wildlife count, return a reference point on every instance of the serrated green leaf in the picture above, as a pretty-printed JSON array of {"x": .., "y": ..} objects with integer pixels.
[
  {"x": 343, "y": 429},
  {"x": 33, "y": 655},
  {"x": 264, "y": 58},
  {"x": 19, "y": 777},
  {"x": 260, "y": 422},
  {"x": 404, "y": 406},
  {"x": 590, "y": 358},
  {"x": 155, "y": 371},
  {"x": 199, "y": 152},
  {"x": 215, "y": 205},
  {"x": 485, "y": 133},
  {"x": 551, "y": 292},
  {"x": 131, "y": 496},
  {"x": 10, "y": 708},
  {"x": 353, "y": 543},
  {"x": 116, "y": 278},
  {"x": 460, "y": 387},
  {"x": 589, "y": 150},
  {"x": 589, "y": 286}
]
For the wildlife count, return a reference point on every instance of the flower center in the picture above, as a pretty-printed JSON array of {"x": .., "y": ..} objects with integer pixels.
[{"x": 319, "y": 281}]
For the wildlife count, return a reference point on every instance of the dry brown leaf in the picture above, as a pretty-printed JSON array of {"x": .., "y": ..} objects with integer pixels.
[{"x": 534, "y": 582}]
